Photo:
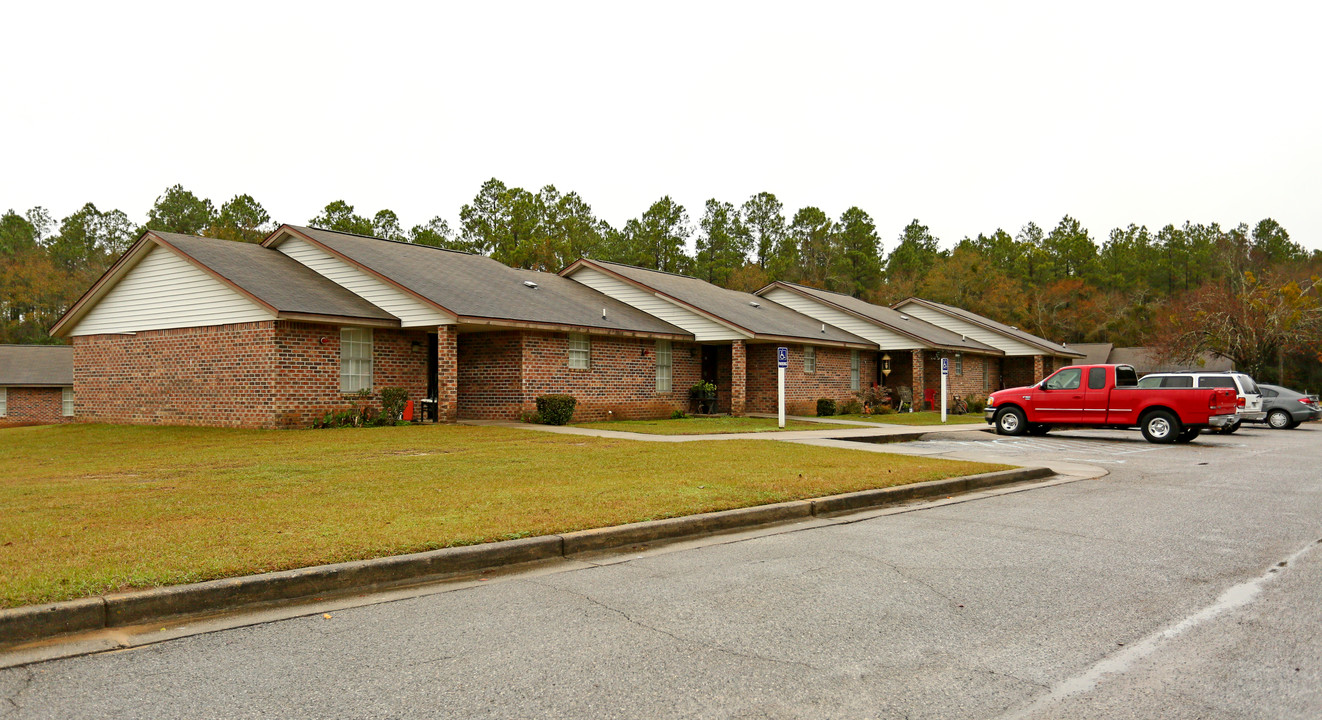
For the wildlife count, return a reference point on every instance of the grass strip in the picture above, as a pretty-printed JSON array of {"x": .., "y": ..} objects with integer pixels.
[
  {"x": 925, "y": 417},
  {"x": 89, "y": 509}
]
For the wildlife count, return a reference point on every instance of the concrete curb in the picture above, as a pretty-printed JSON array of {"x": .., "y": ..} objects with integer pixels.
[{"x": 40, "y": 622}]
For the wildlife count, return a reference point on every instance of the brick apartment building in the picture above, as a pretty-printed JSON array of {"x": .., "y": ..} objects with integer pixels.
[
  {"x": 188, "y": 330},
  {"x": 36, "y": 384}
]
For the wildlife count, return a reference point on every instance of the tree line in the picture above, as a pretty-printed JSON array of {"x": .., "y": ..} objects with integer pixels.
[{"x": 1169, "y": 287}]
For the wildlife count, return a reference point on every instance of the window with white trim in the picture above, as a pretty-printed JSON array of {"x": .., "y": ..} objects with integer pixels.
[
  {"x": 580, "y": 351},
  {"x": 853, "y": 369},
  {"x": 355, "y": 359},
  {"x": 809, "y": 358},
  {"x": 4, "y": 401},
  {"x": 959, "y": 364},
  {"x": 664, "y": 366},
  {"x": 66, "y": 401}
]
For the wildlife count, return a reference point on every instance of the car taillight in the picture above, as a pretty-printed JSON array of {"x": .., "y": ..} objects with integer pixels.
[
  {"x": 1306, "y": 401},
  {"x": 1240, "y": 401}
]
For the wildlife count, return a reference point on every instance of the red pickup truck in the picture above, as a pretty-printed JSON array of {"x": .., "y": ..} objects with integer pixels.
[{"x": 1108, "y": 396}]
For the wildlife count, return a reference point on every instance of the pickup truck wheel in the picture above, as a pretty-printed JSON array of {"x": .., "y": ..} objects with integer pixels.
[
  {"x": 1011, "y": 421},
  {"x": 1188, "y": 435},
  {"x": 1160, "y": 426},
  {"x": 1279, "y": 420}
]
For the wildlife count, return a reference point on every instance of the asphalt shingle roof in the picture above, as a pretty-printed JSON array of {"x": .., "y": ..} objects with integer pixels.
[
  {"x": 894, "y": 319},
  {"x": 274, "y": 278},
  {"x": 1015, "y": 333},
  {"x": 768, "y": 318},
  {"x": 36, "y": 365},
  {"x": 476, "y": 286}
]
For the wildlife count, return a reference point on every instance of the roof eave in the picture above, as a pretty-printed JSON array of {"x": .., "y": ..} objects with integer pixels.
[
  {"x": 569, "y": 327},
  {"x": 338, "y": 319}
]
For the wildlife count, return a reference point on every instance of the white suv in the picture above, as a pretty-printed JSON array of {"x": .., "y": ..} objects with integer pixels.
[{"x": 1250, "y": 398}]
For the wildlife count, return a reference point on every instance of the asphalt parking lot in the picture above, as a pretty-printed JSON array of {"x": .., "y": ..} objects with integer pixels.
[{"x": 1174, "y": 581}]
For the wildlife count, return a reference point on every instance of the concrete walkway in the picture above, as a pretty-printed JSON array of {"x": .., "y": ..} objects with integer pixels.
[{"x": 842, "y": 429}]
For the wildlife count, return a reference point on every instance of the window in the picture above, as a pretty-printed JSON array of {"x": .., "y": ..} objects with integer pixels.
[
  {"x": 1067, "y": 379},
  {"x": 959, "y": 363},
  {"x": 1125, "y": 376},
  {"x": 1222, "y": 381},
  {"x": 663, "y": 366},
  {"x": 4, "y": 401},
  {"x": 1177, "y": 381},
  {"x": 67, "y": 398},
  {"x": 1097, "y": 379},
  {"x": 355, "y": 359},
  {"x": 809, "y": 358},
  {"x": 853, "y": 369},
  {"x": 580, "y": 351}
]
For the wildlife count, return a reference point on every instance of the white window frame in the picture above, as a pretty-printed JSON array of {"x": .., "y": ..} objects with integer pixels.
[
  {"x": 580, "y": 351},
  {"x": 959, "y": 363},
  {"x": 809, "y": 359},
  {"x": 4, "y": 401},
  {"x": 665, "y": 364},
  {"x": 854, "y": 363},
  {"x": 66, "y": 401},
  {"x": 355, "y": 359}
]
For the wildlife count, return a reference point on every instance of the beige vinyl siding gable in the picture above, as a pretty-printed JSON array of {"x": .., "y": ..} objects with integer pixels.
[
  {"x": 885, "y": 338},
  {"x": 411, "y": 311},
  {"x": 702, "y": 328},
  {"x": 1008, "y": 345},
  {"x": 166, "y": 291}
]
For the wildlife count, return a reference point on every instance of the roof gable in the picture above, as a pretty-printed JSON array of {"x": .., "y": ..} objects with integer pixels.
[
  {"x": 1015, "y": 337},
  {"x": 755, "y": 316}
]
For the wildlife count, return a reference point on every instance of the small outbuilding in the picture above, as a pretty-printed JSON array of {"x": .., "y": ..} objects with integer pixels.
[{"x": 36, "y": 384}]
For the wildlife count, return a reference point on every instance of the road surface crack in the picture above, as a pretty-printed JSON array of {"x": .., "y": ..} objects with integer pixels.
[
  {"x": 23, "y": 684},
  {"x": 689, "y": 641}
]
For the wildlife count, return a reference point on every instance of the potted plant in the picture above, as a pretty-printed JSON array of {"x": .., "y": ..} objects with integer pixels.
[{"x": 703, "y": 396}]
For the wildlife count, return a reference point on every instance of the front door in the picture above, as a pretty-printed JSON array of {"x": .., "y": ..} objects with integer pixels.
[{"x": 710, "y": 363}]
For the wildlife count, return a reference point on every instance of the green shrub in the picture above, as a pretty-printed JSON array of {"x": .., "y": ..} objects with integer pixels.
[
  {"x": 365, "y": 416},
  {"x": 883, "y": 410},
  {"x": 851, "y": 407},
  {"x": 678, "y": 415},
  {"x": 977, "y": 403},
  {"x": 825, "y": 407},
  {"x": 392, "y": 402},
  {"x": 556, "y": 409}
]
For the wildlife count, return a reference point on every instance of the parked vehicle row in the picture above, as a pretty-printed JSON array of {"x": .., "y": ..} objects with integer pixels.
[{"x": 1166, "y": 407}]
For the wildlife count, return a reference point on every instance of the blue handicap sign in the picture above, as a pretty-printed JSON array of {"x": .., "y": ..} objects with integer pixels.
[
  {"x": 782, "y": 357},
  {"x": 945, "y": 366}
]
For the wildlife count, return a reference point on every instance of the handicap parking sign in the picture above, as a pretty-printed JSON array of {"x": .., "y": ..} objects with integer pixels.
[
  {"x": 782, "y": 357},
  {"x": 945, "y": 366}
]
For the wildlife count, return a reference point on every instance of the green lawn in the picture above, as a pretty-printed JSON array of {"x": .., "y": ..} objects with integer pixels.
[
  {"x": 919, "y": 418},
  {"x": 703, "y": 425},
  {"x": 86, "y": 509}
]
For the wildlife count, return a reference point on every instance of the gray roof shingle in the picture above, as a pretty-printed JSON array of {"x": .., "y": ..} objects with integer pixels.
[
  {"x": 893, "y": 319},
  {"x": 1052, "y": 348},
  {"x": 768, "y": 318},
  {"x": 36, "y": 365},
  {"x": 475, "y": 286},
  {"x": 274, "y": 278}
]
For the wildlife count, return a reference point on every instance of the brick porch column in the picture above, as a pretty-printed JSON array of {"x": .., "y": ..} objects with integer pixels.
[
  {"x": 738, "y": 377},
  {"x": 1039, "y": 368},
  {"x": 919, "y": 379},
  {"x": 447, "y": 373}
]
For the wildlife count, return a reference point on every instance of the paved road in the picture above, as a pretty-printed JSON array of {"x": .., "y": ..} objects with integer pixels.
[{"x": 1184, "y": 584}]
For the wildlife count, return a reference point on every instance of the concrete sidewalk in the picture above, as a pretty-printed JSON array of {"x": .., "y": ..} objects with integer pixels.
[{"x": 841, "y": 429}]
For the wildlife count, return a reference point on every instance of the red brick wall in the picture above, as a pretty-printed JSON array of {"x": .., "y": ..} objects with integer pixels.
[
  {"x": 501, "y": 374},
  {"x": 218, "y": 375},
  {"x": 307, "y": 371},
  {"x": 27, "y": 406},
  {"x": 802, "y": 389},
  {"x": 1019, "y": 370},
  {"x": 490, "y": 375},
  {"x": 969, "y": 384},
  {"x": 264, "y": 374}
]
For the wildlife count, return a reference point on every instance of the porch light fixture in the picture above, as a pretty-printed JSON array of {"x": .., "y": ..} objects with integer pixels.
[{"x": 886, "y": 365}]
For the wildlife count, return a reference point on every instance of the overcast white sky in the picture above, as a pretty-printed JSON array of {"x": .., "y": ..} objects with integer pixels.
[{"x": 967, "y": 116}]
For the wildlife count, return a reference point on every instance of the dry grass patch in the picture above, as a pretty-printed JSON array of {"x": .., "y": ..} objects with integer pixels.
[
  {"x": 87, "y": 509},
  {"x": 704, "y": 425}
]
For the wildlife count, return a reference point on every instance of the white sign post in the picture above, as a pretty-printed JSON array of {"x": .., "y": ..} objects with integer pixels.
[
  {"x": 782, "y": 362},
  {"x": 945, "y": 372}
]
